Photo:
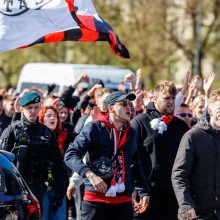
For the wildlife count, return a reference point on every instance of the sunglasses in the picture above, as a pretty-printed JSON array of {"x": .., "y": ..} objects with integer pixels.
[
  {"x": 189, "y": 115},
  {"x": 50, "y": 116},
  {"x": 125, "y": 103}
]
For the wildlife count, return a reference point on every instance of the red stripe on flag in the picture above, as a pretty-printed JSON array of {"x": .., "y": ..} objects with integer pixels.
[
  {"x": 87, "y": 21},
  {"x": 54, "y": 37},
  {"x": 88, "y": 28},
  {"x": 23, "y": 47},
  {"x": 114, "y": 44},
  {"x": 70, "y": 5},
  {"x": 88, "y": 35},
  {"x": 113, "y": 38}
]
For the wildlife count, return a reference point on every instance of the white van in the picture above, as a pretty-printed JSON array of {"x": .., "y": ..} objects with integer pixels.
[{"x": 62, "y": 74}]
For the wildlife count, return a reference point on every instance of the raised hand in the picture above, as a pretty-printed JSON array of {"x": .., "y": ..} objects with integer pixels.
[
  {"x": 130, "y": 78},
  {"x": 138, "y": 79},
  {"x": 207, "y": 83},
  {"x": 92, "y": 90},
  {"x": 186, "y": 82},
  {"x": 16, "y": 105},
  {"x": 83, "y": 78}
]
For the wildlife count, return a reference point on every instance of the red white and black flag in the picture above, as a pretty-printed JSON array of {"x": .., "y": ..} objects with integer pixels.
[{"x": 24, "y": 23}]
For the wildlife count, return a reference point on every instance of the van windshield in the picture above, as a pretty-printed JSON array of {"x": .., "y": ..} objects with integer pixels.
[{"x": 42, "y": 86}]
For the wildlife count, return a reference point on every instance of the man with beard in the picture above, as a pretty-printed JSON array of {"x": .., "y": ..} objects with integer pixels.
[
  {"x": 196, "y": 170},
  {"x": 158, "y": 136}
]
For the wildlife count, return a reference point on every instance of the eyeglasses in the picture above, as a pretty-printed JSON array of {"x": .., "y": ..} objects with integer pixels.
[
  {"x": 125, "y": 103},
  {"x": 189, "y": 115},
  {"x": 50, "y": 116}
]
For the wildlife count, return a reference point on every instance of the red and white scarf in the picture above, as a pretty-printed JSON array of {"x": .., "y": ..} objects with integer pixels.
[
  {"x": 160, "y": 124},
  {"x": 118, "y": 164}
]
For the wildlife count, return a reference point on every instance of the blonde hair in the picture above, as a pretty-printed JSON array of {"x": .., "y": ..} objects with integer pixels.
[
  {"x": 165, "y": 86},
  {"x": 99, "y": 92},
  {"x": 214, "y": 97},
  {"x": 197, "y": 100},
  {"x": 9, "y": 98}
]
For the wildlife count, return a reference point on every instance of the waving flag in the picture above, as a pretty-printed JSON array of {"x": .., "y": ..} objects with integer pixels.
[{"x": 24, "y": 23}]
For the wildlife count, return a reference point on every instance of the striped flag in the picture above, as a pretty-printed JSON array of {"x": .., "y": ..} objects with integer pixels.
[{"x": 24, "y": 23}]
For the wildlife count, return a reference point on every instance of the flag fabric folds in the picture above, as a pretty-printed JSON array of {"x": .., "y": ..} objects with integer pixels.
[{"x": 24, "y": 23}]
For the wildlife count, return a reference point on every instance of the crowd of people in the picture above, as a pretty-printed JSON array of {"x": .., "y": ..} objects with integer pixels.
[{"x": 97, "y": 153}]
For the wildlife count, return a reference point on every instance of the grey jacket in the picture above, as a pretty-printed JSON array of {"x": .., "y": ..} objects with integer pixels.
[{"x": 196, "y": 172}]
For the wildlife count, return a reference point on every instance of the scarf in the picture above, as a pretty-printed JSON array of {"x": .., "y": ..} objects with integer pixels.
[
  {"x": 160, "y": 124},
  {"x": 118, "y": 165},
  {"x": 158, "y": 121},
  {"x": 61, "y": 140}
]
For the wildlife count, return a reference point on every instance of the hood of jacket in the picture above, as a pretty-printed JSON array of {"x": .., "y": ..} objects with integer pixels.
[
  {"x": 152, "y": 111},
  {"x": 204, "y": 123}
]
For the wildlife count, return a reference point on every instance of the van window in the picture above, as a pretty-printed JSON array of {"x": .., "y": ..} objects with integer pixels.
[
  {"x": 42, "y": 86},
  {"x": 63, "y": 75}
]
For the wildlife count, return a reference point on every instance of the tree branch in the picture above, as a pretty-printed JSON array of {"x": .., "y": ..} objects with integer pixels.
[{"x": 211, "y": 27}]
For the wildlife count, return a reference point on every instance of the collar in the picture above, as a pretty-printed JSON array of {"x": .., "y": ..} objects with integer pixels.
[
  {"x": 105, "y": 118},
  {"x": 151, "y": 110},
  {"x": 26, "y": 122}
]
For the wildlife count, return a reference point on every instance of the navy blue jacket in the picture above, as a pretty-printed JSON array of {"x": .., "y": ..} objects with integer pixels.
[{"x": 95, "y": 139}]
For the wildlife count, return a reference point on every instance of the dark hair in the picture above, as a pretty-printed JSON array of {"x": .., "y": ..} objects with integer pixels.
[{"x": 184, "y": 105}]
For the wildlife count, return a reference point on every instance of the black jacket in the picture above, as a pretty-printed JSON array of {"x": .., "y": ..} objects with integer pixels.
[
  {"x": 158, "y": 151},
  {"x": 35, "y": 146},
  {"x": 196, "y": 172},
  {"x": 4, "y": 122},
  {"x": 68, "y": 99}
]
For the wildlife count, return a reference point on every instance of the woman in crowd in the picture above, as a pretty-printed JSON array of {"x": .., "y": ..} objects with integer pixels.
[
  {"x": 64, "y": 114},
  {"x": 198, "y": 107},
  {"x": 50, "y": 117}
]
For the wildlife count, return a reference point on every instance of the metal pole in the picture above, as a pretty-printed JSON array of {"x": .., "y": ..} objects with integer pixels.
[
  {"x": 63, "y": 52},
  {"x": 198, "y": 39}
]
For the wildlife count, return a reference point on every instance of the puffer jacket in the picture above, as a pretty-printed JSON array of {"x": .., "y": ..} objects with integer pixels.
[{"x": 196, "y": 172}]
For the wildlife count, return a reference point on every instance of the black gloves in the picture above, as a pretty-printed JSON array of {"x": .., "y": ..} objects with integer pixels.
[{"x": 56, "y": 203}]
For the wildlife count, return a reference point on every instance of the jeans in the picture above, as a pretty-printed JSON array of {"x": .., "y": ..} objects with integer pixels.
[
  {"x": 104, "y": 211},
  {"x": 38, "y": 191},
  {"x": 47, "y": 215},
  {"x": 78, "y": 200}
]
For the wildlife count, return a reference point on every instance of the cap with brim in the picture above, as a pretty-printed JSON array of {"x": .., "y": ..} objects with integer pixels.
[
  {"x": 29, "y": 98},
  {"x": 117, "y": 97}
]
